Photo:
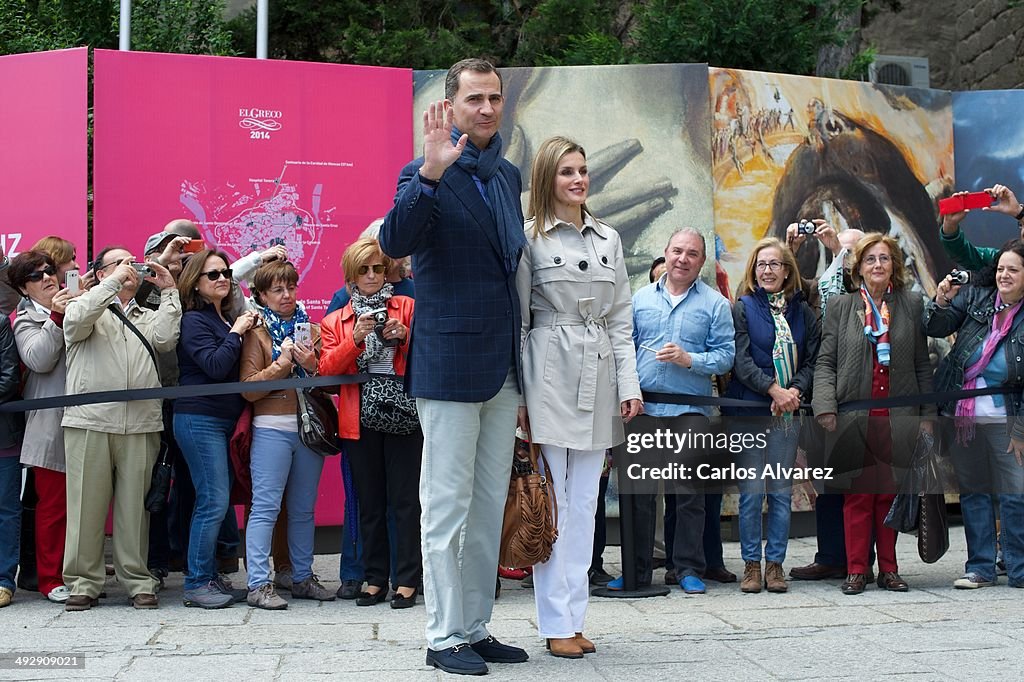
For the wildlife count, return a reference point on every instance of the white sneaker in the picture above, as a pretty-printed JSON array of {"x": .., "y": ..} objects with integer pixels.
[
  {"x": 59, "y": 595},
  {"x": 972, "y": 581}
]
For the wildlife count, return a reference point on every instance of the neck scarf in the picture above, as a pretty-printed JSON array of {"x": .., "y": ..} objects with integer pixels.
[
  {"x": 281, "y": 329},
  {"x": 505, "y": 204},
  {"x": 373, "y": 346},
  {"x": 964, "y": 418},
  {"x": 784, "y": 350},
  {"x": 877, "y": 324}
]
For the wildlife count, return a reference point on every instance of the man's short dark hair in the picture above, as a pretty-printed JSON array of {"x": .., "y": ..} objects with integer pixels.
[
  {"x": 451, "y": 81},
  {"x": 97, "y": 263},
  {"x": 657, "y": 261}
]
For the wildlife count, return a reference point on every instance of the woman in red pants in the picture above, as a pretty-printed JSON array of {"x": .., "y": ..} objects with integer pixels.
[
  {"x": 40, "y": 341},
  {"x": 872, "y": 346}
]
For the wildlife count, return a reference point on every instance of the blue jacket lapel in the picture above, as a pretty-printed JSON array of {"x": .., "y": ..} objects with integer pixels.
[{"x": 464, "y": 187}]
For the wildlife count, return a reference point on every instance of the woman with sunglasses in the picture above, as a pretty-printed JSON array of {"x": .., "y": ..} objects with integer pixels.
[
  {"x": 377, "y": 421},
  {"x": 208, "y": 353},
  {"x": 40, "y": 340}
]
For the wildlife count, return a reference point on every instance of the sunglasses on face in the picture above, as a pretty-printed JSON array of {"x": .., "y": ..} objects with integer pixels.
[
  {"x": 377, "y": 269},
  {"x": 37, "y": 276},
  {"x": 214, "y": 275}
]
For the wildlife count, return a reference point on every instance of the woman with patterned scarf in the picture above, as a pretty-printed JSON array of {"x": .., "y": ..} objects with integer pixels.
[
  {"x": 872, "y": 347},
  {"x": 280, "y": 464},
  {"x": 377, "y": 420},
  {"x": 777, "y": 338},
  {"x": 988, "y": 445}
]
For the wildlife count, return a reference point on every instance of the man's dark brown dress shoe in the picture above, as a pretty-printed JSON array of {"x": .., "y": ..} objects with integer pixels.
[
  {"x": 816, "y": 571},
  {"x": 854, "y": 584},
  {"x": 720, "y": 574},
  {"x": 892, "y": 581}
]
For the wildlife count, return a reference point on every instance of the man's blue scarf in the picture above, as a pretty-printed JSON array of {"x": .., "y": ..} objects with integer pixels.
[{"x": 504, "y": 203}]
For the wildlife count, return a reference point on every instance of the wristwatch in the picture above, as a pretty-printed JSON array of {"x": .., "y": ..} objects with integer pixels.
[{"x": 1020, "y": 216}]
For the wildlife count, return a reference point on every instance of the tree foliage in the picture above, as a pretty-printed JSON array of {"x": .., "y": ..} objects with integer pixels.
[
  {"x": 186, "y": 26},
  {"x": 768, "y": 35}
]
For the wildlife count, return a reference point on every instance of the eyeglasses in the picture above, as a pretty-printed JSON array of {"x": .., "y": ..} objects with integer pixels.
[
  {"x": 281, "y": 291},
  {"x": 773, "y": 265},
  {"x": 377, "y": 269},
  {"x": 871, "y": 260},
  {"x": 116, "y": 262},
  {"x": 214, "y": 275},
  {"x": 38, "y": 275}
]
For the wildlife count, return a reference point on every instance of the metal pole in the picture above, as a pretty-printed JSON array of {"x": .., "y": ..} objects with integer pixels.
[
  {"x": 125, "y": 27},
  {"x": 262, "y": 27}
]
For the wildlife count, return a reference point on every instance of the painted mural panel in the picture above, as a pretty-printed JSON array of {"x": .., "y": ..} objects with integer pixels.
[
  {"x": 989, "y": 148},
  {"x": 646, "y": 132},
  {"x": 859, "y": 155}
]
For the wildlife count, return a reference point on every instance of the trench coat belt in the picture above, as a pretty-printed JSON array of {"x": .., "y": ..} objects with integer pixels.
[{"x": 595, "y": 338}]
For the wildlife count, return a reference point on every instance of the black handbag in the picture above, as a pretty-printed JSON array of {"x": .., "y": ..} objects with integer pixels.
[
  {"x": 318, "y": 421},
  {"x": 385, "y": 406},
  {"x": 160, "y": 484}
]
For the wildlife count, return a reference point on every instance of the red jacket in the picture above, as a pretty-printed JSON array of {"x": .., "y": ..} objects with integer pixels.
[{"x": 339, "y": 353}]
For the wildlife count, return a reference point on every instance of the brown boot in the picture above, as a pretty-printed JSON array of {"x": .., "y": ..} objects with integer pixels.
[
  {"x": 775, "y": 577},
  {"x": 586, "y": 646},
  {"x": 565, "y": 647},
  {"x": 752, "y": 582}
]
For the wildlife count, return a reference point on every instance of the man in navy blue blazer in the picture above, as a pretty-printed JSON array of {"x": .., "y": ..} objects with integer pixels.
[{"x": 458, "y": 213}]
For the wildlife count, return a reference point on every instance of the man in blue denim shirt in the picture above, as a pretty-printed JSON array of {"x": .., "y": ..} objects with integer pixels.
[{"x": 683, "y": 333}]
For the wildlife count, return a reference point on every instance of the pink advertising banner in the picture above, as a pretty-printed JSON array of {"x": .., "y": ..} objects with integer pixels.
[
  {"x": 43, "y": 128},
  {"x": 252, "y": 151}
]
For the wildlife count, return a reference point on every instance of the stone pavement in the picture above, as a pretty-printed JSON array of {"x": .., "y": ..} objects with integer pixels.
[{"x": 932, "y": 632}]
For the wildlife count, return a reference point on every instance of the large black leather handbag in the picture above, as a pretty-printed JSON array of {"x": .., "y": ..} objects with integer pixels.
[{"x": 318, "y": 421}]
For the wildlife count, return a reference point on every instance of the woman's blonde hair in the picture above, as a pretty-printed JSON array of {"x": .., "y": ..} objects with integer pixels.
[
  {"x": 899, "y": 270},
  {"x": 542, "y": 180},
  {"x": 359, "y": 253},
  {"x": 59, "y": 249},
  {"x": 791, "y": 284}
]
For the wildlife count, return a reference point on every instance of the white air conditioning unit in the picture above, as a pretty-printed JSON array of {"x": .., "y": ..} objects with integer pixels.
[{"x": 893, "y": 70}]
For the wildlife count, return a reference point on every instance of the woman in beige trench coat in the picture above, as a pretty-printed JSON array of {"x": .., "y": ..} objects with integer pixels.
[{"x": 579, "y": 373}]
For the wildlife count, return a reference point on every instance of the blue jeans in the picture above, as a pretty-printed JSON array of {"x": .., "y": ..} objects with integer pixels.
[
  {"x": 10, "y": 519},
  {"x": 204, "y": 443},
  {"x": 281, "y": 465},
  {"x": 986, "y": 473},
  {"x": 780, "y": 449}
]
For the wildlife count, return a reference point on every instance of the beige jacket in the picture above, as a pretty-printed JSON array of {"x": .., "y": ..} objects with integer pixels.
[
  {"x": 41, "y": 347},
  {"x": 578, "y": 358},
  {"x": 104, "y": 355}
]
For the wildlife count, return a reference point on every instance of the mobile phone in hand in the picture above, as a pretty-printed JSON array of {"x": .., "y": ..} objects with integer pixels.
[
  {"x": 965, "y": 202},
  {"x": 303, "y": 334},
  {"x": 71, "y": 282},
  {"x": 194, "y": 246}
]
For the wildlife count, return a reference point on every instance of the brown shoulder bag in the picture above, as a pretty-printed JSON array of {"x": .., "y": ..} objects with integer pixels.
[{"x": 530, "y": 527}]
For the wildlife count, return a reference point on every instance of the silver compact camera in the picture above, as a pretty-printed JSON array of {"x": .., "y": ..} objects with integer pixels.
[
  {"x": 960, "y": 276},
  {"x": 144, "y": 270}
]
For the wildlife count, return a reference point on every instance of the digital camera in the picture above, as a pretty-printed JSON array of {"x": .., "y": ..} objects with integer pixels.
[
  {"x": 960, "y": 276},
  {"x": 144, "y": 270},
  {"x": 380, "y": 318},
  {"x": 806, "y": 227}
]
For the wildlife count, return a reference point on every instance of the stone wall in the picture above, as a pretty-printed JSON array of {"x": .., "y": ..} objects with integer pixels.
[
  {"x": 990, "y": 45},
  {"x": 970, "y": 44}
]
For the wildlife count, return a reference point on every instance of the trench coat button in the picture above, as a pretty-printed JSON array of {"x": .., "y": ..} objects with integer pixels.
[
  {"x": 583, "y": 265},
  {"x": 558, "y": 260},
  {"x": 1018, "y": 358},
  {"x": 604, "y": 259}
]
